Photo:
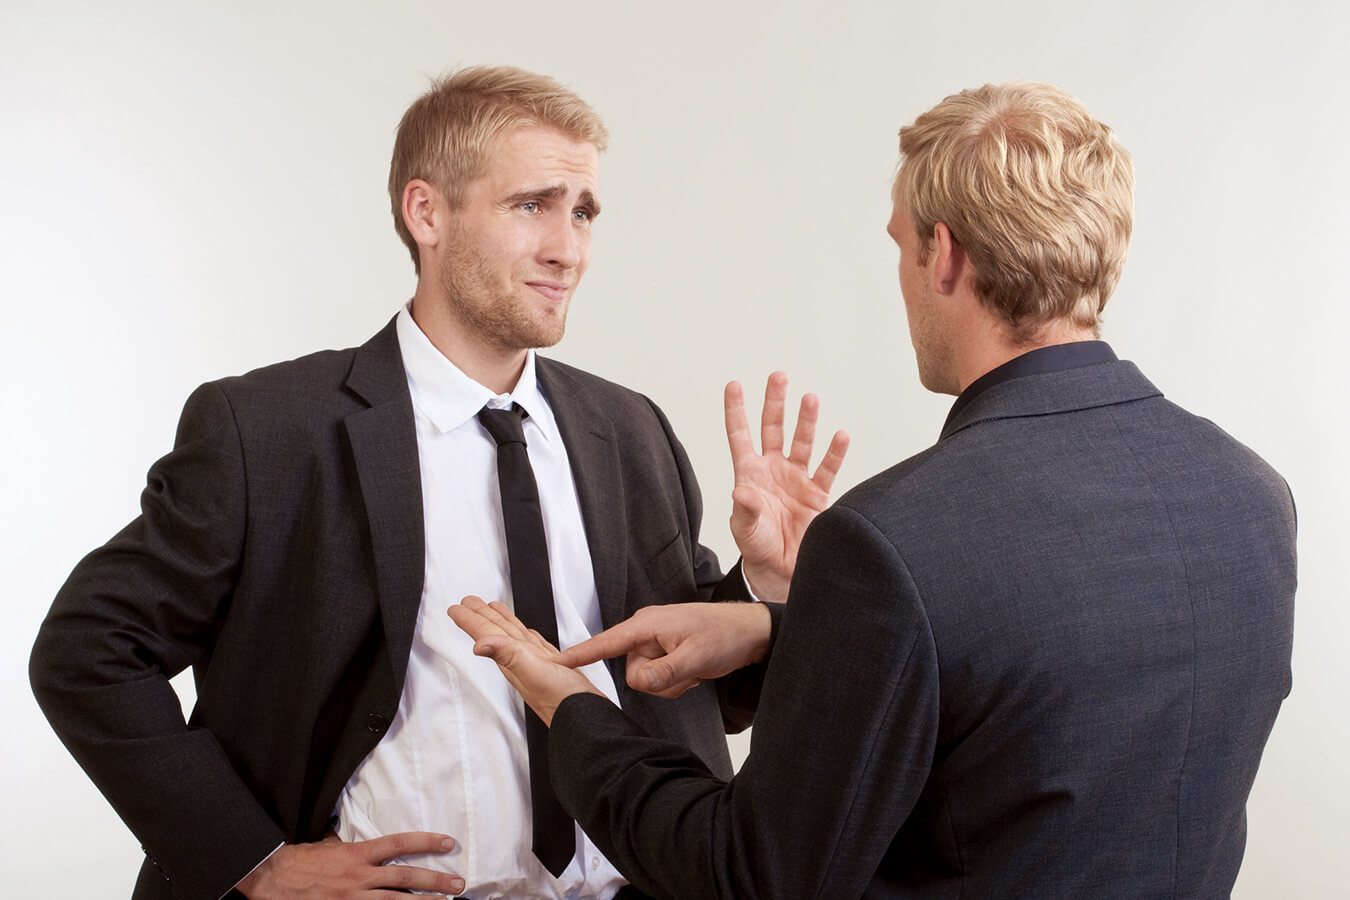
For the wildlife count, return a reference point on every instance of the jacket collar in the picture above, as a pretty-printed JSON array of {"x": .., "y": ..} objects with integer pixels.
[{"x": 1047, "y": 393}]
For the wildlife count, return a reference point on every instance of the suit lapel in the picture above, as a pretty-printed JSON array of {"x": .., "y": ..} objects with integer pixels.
[
  {"x": 384, "y": 447},
  {"x": 593, "y": 454}
]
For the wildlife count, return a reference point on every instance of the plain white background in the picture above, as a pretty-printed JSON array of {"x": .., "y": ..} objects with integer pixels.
[{"x": 190, "y": 191}]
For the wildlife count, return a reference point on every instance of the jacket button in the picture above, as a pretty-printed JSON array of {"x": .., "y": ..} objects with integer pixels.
[{"x": 376, "y": 723}]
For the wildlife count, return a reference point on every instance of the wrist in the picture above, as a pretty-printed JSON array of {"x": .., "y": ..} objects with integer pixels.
[
  {"x": 761, "y": 626},
  {"x": 766, "y": 585}
]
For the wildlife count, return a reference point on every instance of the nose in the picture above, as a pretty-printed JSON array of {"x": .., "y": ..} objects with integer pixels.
[{"x": 564, "y": 244}]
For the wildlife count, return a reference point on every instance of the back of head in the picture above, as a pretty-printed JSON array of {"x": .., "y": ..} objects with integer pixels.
[
  {"x": 447, "y": 135},
  {"x": 1039, "y": 194}
]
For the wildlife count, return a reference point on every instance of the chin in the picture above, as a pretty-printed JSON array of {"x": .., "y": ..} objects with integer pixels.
[
  {"x": 938, "y": 383},
  {"x": 546, "y": 334},
  {"x": 548, "y": 340}
]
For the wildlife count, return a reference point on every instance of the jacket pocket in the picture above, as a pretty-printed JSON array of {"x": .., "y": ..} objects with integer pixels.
[{"x": 669, "y": 562}]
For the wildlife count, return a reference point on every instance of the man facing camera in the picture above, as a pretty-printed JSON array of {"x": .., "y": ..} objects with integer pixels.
[
  {"x": 1039, "y": 659},
  {"x": 298, "y": 544}
]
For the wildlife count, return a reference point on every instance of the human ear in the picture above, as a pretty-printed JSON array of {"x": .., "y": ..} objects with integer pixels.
[
  {"x": 951, "y": 261},
  {"x": 420, "y": 210}
]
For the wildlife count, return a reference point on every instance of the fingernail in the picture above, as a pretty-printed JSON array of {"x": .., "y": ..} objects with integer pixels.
[
  {"x": 457, "y": 885},
  {"x": 448, "y": 843}
]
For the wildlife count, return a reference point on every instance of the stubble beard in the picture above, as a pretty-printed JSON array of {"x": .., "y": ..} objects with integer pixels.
[
  {"x": 934, "y": 358},
  {"x": 500, "y": 318},
  {"x": 932, "y": 349}
]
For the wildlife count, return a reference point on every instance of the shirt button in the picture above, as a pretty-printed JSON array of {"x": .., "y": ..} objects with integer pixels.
[
  {"x": 595, "y": 863},
  {"x": 376, "y": 723}
]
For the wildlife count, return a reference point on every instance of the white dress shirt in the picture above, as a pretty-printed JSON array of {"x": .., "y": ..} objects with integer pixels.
[{"x": 455, "y": 759}]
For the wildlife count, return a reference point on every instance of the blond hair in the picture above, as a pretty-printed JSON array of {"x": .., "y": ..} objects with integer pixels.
[
  {"x": 448, "y": 134},
  {"x": 1038, "y": 193}
]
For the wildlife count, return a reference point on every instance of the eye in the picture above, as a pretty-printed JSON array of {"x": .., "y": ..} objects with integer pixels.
[
  {"x": 582, "y": 215},
  {"x": 530, "y": 206}
]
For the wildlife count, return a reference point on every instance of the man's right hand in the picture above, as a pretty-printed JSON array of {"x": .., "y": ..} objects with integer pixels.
[
  {"x": 672, "y": 648},
  {"x": 333, "y": 870}
]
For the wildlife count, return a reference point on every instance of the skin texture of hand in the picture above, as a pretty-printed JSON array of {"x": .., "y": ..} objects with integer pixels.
[
  {"x": 332, "y": 870},
  {"x": 774, "y": 498},
  {"x": 672, "y": 648},
  {"x": 524, "y": 657}
]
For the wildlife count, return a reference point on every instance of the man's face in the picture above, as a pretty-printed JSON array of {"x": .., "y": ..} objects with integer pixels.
[
  {"x": 515, "y": 250},
  {"x": 928, "y": 330}
]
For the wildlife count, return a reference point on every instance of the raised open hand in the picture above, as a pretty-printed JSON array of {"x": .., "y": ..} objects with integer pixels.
[{"x": 774, "y": 496}]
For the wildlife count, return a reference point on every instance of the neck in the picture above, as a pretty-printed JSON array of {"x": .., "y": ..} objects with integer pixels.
[
  {"x": 995, "y": 343},
  {"x": 497, "y": 369}
]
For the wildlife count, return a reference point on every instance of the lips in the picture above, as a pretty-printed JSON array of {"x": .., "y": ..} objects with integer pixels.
[{"x": 553, "y": 290}]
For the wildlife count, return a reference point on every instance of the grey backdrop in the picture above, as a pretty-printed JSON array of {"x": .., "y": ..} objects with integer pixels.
[{"x": 189, "y": 193}]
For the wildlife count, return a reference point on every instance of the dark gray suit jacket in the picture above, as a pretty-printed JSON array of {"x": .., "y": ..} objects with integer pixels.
[
  {"x": 1039, "y": 659},
  {"x": 280, "y": 554}
]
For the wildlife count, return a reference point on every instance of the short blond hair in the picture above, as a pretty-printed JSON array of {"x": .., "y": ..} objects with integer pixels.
[
  {"x": 1038, "y": 192},
  {"x": 448, "y": 134}
]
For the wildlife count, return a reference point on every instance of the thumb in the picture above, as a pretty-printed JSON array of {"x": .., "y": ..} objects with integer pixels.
[
  {"x": 662, "y": 679},
  {"x": 497, "y": 647},
  {"x": 746, "y": 507},
  {"x": 656, "y": 675}
]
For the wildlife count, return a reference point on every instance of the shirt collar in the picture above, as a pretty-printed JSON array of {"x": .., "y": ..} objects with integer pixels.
[
  {"x": 1043, "y": 360},
  {"x": 448, "y": 397}
]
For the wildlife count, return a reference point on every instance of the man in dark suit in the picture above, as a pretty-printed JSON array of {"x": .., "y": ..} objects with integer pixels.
[
  {"x": 1039, "y": 659},
  {"x": 311, "y": 511}
]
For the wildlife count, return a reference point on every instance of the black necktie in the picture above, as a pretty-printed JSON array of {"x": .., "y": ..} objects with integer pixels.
[{"x": 526, "y": 549}]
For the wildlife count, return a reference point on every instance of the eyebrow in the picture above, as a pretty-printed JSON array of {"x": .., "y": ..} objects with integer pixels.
[
  {"x": 589, "y": 201},
  {"x": 554, "y": 192}
]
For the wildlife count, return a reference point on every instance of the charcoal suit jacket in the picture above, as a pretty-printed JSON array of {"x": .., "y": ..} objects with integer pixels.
[
  {"x": 280, "y": 554},
  {"x": 1039, "y": 659}
]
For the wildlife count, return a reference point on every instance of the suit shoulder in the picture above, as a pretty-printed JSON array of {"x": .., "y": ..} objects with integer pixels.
[
  {"x": 1224, "y": 459},
  {"x": 285, "y": 396},
  {"x": 903, "y": 481},
  {"x": 323, "y": 367},
  {"x": 610, "y": 394},
  {"x": 1218, "y": 437}
]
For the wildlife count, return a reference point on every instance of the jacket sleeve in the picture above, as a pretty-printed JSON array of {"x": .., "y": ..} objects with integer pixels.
[
  {"x": 133, "y": 614},
  {"x": 842, "y": 746}
]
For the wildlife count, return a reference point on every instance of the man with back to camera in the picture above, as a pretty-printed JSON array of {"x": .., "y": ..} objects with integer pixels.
[
  {"x": 310, "y": 511},
  {"x": 1039, "y": 659}
]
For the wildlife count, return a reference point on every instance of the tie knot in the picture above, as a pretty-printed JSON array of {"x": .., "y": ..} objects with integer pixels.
[{"x": 505, "y": 425}]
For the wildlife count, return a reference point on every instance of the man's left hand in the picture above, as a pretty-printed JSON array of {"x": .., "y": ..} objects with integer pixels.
[{"x": 774, "y": 497}]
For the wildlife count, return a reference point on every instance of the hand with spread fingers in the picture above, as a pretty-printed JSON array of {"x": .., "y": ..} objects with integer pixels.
[
  {"x": 672, "y": 648},
  {"x": 775, "y": 497},
  {"x": 332, "y": 869},
  {"x": 524, "y": 657}
]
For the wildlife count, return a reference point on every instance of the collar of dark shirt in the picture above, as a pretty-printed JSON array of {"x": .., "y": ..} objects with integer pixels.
[{"x": 1055, "y": 358}]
